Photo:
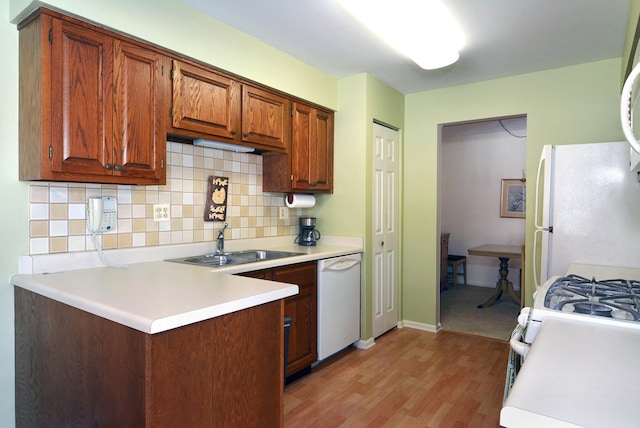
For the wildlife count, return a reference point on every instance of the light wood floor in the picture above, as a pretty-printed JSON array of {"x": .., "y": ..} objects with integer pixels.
[{"x": 410, "y": 378}]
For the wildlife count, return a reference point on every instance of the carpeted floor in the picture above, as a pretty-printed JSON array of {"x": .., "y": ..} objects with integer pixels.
[{"x": 458, "y": 312}]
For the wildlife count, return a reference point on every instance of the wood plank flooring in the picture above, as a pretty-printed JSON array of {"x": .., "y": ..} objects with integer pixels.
[{"x": 410, "y": 378}]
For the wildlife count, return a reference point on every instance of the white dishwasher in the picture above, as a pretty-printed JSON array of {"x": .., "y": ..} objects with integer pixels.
[{"x": 338, "y": 303}]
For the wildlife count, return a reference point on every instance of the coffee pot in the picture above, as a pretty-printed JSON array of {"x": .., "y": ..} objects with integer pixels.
[{"x": 308, "y": 234}]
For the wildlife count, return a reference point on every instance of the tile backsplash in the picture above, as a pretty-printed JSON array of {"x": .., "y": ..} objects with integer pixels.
[{"x": 57, "y": 211}]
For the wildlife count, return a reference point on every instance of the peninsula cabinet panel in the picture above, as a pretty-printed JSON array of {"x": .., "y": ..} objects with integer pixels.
[
  {"x": 77, "y": 369},
  {"x": 204, "y": 102},
  {"x": 87, "y": 105},
  {"x": 308, "y": 167}
]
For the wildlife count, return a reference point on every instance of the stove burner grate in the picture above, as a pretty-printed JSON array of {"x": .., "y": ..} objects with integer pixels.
[
  {"x": 609, "y": 298},
  {"x": 592, "y": 309}
]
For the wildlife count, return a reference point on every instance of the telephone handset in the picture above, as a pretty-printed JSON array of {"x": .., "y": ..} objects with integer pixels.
[{"x": 102, "y": 214}]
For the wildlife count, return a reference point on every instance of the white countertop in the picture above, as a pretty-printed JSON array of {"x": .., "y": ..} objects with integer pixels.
[
  {"x": 154, "y": 295},
  {"x": 577, "y": 374}
]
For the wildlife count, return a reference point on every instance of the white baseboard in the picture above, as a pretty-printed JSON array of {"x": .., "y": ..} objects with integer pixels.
[
  {"x": 370, "y": 342},
  {"x": 421, "y": 326},
  {"x": 365, "y": 344}
]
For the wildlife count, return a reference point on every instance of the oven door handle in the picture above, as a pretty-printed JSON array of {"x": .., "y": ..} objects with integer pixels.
[{"x": 518, "y": 346}]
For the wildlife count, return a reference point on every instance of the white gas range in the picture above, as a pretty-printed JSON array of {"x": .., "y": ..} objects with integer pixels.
[
  {"x": 579, "y": 351},
  {"x": 589, "y": 293}
]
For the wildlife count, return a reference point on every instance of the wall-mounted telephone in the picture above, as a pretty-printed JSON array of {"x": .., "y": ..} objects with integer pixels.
[{"x": 102, "y": 214}]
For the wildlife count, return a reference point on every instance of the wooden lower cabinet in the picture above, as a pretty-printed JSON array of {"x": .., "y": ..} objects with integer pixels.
[
  {"x": 75, "y": 369},
  {"x": 303, "y": 307}
]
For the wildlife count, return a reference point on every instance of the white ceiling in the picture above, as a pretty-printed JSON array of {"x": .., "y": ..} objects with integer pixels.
[{"x": 504, "y": 37}]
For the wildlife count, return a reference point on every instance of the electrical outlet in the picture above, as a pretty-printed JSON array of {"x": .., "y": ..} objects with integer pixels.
[
  {"x": 283, "y": 213},
  {"x": 161, "y": 212}
]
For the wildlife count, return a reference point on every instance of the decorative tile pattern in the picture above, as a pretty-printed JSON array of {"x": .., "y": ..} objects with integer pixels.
[{"x": 57, "y": 221}]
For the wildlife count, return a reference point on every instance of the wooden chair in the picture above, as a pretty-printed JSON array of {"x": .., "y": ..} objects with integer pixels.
[
  {"x": 454, "y": 261},
  {"x": 444, "y": 253},
  {"x": 450, "y": 260}
]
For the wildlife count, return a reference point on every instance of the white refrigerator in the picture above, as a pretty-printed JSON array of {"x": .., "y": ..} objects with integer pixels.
[{"x": 587, "y": 209}]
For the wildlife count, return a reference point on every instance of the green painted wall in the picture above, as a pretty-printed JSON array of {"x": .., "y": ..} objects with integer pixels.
[
  {"x": 569, "y": 105},
  {"x": 631, "y": 40},
  {"x": 13, "y": 209},
  {"x": 361, "y": 99}
]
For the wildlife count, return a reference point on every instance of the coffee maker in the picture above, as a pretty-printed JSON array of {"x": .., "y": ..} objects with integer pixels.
[{"x": 308, "y": 234}]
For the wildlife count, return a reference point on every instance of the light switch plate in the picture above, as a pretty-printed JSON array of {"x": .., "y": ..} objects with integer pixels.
[{"x": 161, "y": 212}]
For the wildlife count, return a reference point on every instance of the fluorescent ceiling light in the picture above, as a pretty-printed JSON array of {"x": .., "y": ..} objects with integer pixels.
[
  {"x": 423, "y": 30},
  {"x": 222, "y": 146}
]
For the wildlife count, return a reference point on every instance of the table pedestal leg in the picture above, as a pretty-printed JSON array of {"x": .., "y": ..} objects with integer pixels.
[{"x": 503, "y": 284}]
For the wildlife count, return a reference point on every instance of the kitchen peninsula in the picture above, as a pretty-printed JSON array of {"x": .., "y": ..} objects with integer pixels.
[{"x": 155, "y": 344}]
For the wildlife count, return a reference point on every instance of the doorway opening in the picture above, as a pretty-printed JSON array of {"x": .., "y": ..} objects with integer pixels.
[{"x": 480, "y": 163}]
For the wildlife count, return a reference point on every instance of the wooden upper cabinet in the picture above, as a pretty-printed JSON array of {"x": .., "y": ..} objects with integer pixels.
[
  {"x": 207, "y": 104},
  {"x": 81, "y": 112},
  {"x": 266, "y": 118},
  {"x": 139, "y": 120},
  {"x": 308, "y": 167},
  {"x": 312, "y": 152},
  {"x": 88, "y": 105},
  {"x": 204, "y": 102}
]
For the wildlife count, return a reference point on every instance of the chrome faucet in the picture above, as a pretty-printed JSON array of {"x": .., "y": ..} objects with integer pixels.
[{"x": 220, "y": 238}]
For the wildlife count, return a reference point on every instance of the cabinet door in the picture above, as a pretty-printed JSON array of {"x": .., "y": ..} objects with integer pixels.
[
  {"x": 322, "y": 156},
  {"x": 81, "y": 114},
  {"x": 204, "y": 101},
  {"x": 303, "y": 342},
  {"x": 312, "y": 149},
  {"x": 139, "y": 132},
  {"x": 266, "y": 118}
]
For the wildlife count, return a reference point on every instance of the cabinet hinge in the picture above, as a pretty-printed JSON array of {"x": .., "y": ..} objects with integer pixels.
[
  {"x": 162, "y": 70},
  {"x": 173, "y": 74},
  {"x": 161, "y": 163},
  {"x": 50, "y": 152},
  {"x": 292, "y": 177},
  {"x": 50, "y": 36},
  {"x": 172, "y": 111}
]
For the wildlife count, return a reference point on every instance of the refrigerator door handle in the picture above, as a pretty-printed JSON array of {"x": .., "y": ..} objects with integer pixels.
[
  {"x": 542, "y": 164},
  {"x": 542, "y": 191},
  {"x": 536, "y": 279}
]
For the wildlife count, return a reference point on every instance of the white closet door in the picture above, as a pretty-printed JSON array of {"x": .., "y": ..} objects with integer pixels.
[{"x": 385, "y": 229}]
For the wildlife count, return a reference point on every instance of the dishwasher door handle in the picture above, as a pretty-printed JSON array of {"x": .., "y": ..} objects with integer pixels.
[{"x": 343, "y": 264}]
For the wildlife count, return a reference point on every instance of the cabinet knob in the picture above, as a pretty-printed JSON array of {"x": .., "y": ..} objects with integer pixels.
[
  {"x": 233, "y": 132},
  {"x": 314, "y": 184},
  {"x": 118, "y": 167},
  {"x": 382, "y": 243},
  {"x": 109, "y": 166},
  {"x": 246, "y": 134}
]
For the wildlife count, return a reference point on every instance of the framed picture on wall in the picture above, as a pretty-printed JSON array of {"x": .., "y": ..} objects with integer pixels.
[{"x": 512, "y": 198}]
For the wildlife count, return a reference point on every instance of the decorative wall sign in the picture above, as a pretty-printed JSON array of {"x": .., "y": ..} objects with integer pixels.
[
  {"x": 512, "y": 198},
  {"x": 216, "y": 204}
]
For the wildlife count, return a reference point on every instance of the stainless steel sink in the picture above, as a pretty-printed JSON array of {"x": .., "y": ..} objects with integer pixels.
[{"x": 233, "y": 258}]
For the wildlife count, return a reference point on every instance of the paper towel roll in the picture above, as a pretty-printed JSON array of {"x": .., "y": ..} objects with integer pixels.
[{"x": 295, "y": 200}]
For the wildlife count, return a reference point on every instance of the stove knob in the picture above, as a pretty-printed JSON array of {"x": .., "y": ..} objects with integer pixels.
[{"x": 523, "y": 318}]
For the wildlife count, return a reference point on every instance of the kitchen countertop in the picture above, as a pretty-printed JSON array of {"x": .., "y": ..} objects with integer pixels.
[
  {"x": 153, "y": 295},
  {"x": 577, "y": 374}
]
